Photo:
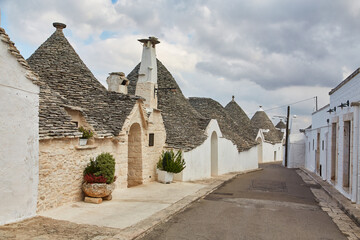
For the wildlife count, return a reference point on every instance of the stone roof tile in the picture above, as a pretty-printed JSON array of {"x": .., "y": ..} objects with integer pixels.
[
  {"x": 16, "y": 53},
  {"x": 66, "y": 81},
  {"x": 231, "y": 130},
  {"x": 185, "y": 127},
  {"x": 260, "y": 120},
  {"x": 280, "y": 125},
  {"x": 243, "y": 121}
]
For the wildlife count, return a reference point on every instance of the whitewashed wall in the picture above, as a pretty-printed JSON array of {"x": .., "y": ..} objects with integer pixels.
[
  {"x": 296, "y": 150},
  {"x": 198, "y": 160},
  {"x": 19, "y": 141},
  {"x": 249, "y": 159},
  {"x": 268, "y": 149},
  {"x": 321, "y": 123},
  {"x": 268, "y": 152},
  {"x": 349, "y": 91},
  {"x": 310, "y": 150}
]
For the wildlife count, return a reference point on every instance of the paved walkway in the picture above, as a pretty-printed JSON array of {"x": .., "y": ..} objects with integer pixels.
[
  {"x": 332, "y": 207},
  {"x": 352, "y": 210},
  {"x": 131, "y": 212}
]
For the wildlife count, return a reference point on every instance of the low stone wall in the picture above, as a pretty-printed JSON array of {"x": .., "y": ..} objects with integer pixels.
[{"x": 61, "y": 166}]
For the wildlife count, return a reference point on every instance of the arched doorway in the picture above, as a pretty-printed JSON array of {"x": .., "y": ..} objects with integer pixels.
[
  {"x": 214, "y": 154},
  {"x": 260, "y": 150},
  {"x": 134, "y": 176}
]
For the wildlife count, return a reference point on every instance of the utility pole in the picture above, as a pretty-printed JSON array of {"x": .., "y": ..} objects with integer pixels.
[
  {"x": 316, "y": 104},
  {"x": 287, "y": 135}
]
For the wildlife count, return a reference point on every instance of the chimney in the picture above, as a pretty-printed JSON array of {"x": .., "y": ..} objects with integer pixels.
[
  {"x": 147, "y": 79},
  {"x": 117, "y": 82}
]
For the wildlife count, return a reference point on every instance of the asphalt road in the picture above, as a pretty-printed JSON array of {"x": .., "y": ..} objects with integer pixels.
[{"x": 271, "y": 204}]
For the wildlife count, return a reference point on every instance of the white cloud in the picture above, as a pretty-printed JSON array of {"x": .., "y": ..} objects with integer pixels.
[{"x": 264, "y": 52}]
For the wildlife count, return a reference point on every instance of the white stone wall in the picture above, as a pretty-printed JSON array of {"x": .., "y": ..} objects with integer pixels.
[
  {"x": 249, "y": 159},
  {"x": 322, "y": 124},
  {"x": 296, "y": 153},
  {"x": 310, "y": 150},
  {"x": 350, "y": 91},
  {"x": 19, "y": 130},
  {"x": 268, "y": 152},
  {"x": 311, "y": 147},
  {"x": 198, "y": 160}
]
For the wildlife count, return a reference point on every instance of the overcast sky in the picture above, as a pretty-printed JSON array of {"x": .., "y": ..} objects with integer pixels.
[{"x": 268, "y": 53}]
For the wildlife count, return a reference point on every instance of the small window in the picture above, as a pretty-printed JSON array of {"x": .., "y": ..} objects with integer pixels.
[
  {"x": 323, "y": 145},
  {"x": 76, "y": 123},
  {"x": 151, "y": 139}
]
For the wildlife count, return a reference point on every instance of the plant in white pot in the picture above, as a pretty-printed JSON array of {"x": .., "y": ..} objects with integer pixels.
[
  {"x": 86, "y": 134},
  {"x": 168, "y": 164}
]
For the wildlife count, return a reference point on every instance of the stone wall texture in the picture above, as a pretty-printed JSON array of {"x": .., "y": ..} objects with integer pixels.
[{"x": 62, "y": 161}]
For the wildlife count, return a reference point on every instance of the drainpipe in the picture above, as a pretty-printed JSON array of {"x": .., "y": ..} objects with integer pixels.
[{"x": 356, "y": 195}]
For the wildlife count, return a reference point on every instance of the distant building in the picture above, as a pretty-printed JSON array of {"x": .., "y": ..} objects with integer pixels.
[
  {"x": 269, "y": 138},
  {"x": 281, "y": 125}
]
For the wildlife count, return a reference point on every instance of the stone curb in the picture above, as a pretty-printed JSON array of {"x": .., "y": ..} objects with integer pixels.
[
  {"x": 344, "y": 204},
  {"x": 143, "y": 227}
]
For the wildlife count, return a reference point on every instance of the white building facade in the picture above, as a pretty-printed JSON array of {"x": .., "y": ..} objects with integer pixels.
[
  {"x": 216, "y": 156},
  {"x": 19, "y": 130},
  {"x": 332, "y": 144},
  {"x": 296, "y": 145}
]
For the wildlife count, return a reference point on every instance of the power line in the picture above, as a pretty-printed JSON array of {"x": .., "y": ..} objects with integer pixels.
[{"x": 286, "y": 105}]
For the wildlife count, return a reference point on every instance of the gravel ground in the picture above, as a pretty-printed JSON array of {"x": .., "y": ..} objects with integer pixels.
[{"x": 41, "y": 228}]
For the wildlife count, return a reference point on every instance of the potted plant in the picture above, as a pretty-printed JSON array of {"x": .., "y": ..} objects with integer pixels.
[
  {"x": 168, "y": 164},
  {"x": 99, "y": 177},
  {"x": 86, "y": 134}
]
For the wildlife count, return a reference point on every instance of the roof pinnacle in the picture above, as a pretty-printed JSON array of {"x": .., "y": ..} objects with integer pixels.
[{"x": 59, "y": 26}]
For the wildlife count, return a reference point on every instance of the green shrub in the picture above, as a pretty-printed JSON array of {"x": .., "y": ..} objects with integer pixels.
[
  {"x": 85, "y": 133},
  {"x": 103, "y": 165},
  {"x": 171, "y": 162}
]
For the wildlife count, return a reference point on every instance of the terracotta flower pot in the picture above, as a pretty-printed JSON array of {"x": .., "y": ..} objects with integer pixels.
[{"x": 98, "y": 189}]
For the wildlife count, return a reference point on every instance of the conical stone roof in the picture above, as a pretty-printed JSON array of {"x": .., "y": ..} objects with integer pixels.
[
  {"x": 65, "y": 77},
  {"x": 210, "y": 108},
  {"x": 185, "y": 127},
  {"x": 260, "y": 120},
  {"x": 53, "y": 109},
  {"x": 280, "y": 125},
  {"x": 243, "y": 121}
]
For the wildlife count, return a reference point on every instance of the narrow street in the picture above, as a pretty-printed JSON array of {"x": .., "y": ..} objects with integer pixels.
[{"x": 274, "y": 203}]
